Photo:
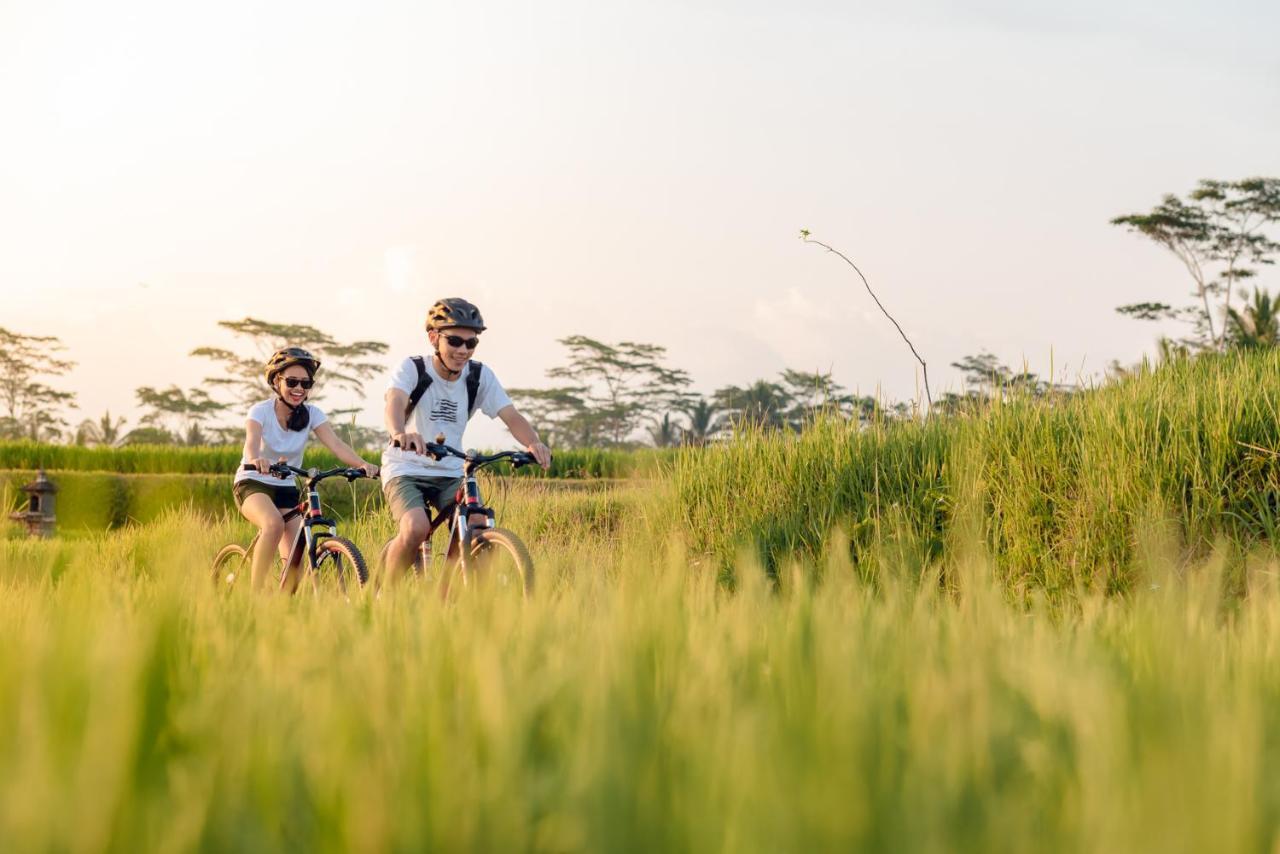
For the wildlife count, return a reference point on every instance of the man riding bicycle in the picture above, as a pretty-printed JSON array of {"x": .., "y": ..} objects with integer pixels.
[{"x": 428, "y": 397}]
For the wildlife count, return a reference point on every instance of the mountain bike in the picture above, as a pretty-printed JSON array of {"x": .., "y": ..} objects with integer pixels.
[
  {"x": 476, "y": 554},
  {"x": 330, "y": 558}
]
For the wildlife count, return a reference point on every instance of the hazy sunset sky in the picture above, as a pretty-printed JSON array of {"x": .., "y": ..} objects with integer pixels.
[{"x": 623, "y": 170}]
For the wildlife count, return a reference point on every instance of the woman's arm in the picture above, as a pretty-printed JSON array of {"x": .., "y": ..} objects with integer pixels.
[
  {"x": 342, "y": 450},
  {"x": 253, "y": 446}
]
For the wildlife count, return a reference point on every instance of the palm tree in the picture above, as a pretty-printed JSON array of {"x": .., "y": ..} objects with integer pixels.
[
  {"x": 1258, "y": 325},
  {"x": 105, "y": 431},
  {"x": 704, "y": 421},
  {"x": 665, "y": 433},
  {"x": 762, "y": 403}
]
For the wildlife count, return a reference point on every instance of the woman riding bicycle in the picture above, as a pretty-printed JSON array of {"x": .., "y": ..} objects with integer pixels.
[{"x": 276, "y": 430}]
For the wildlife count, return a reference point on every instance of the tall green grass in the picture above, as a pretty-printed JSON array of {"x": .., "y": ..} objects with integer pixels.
[
  {"x": 635, "y": 704},
  {"x": 1057, "y": 488}
]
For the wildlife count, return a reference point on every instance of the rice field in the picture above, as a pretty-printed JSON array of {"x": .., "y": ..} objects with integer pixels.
[{"x": 1054, "y": 626}]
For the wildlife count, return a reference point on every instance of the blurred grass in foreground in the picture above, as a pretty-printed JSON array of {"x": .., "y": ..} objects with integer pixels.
[{"x": 634, "y": 705}]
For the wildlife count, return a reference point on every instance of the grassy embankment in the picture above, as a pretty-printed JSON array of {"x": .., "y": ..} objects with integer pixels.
[
  {"x": 109, "y": 488},
  {"x": 222, "y": 460},
  {"x": 1057, "y": 491},
  {"x": 903, "y": 690}
]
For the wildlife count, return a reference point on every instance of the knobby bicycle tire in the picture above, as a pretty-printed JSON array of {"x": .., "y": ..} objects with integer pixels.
[
  {"x": 506, "y": 545},
  {"x": 338, "y": 549},
  {"x": 229, "y": 566}
]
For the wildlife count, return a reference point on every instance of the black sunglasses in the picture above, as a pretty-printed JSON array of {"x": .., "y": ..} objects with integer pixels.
[
  {"x": 459, "y": 341},
  {"x": 294, "y": 382}
]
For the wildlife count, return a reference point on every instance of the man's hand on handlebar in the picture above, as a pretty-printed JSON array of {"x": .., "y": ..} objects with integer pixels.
[
  {"x": 541, "y": 453},
  {"x": 410, "y": 442}
]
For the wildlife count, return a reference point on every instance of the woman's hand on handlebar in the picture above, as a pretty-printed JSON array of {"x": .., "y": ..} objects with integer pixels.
[
  {"x": 369, "y": 469},
  {"x": 262, "y": 465},
  {"x": 412, "y": 442}
]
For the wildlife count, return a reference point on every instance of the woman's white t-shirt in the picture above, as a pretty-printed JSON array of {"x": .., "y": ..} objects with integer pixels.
[{"x": 278, "y": 442}]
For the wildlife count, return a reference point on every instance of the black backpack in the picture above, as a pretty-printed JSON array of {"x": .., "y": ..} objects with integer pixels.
[{"x": 424, "y": 381}]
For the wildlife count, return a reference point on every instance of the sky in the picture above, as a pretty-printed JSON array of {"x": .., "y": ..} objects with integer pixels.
[{"x": 626, "y": 171}]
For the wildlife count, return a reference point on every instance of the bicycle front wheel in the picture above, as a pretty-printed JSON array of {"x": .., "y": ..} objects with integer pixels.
[
  {"x": 340, "y": 563},
  {"x": 497, "y": 559},
  {"x": 230, "y": 567}
]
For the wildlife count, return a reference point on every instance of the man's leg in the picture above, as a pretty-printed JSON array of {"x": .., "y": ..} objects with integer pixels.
[{"x": 414, "y": 528}]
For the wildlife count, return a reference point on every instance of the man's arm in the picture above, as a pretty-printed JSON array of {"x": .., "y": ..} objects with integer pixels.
[
  {"x": 393, "y": 417},
  {"x": 524, "y": 433}
]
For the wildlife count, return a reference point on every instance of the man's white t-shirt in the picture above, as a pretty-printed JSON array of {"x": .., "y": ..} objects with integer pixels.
[
  {"x": 278, "y": 442},
  {"x": 442, "y": 409}
]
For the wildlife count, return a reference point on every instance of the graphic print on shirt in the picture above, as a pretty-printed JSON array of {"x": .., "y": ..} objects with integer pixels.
[{"x": 445, "y": 410}]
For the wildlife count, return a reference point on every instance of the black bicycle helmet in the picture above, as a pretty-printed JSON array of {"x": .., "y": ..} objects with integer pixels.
[
  {"x": 454, "y": 312},
  {"x": 287, "y": 357}
]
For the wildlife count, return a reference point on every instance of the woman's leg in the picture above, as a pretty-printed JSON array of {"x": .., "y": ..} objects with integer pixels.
[{"x": 261, "y": 511}]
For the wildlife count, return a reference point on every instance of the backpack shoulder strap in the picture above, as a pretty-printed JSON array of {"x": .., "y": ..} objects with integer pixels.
[
  {"x": 473, "y": 385},
  {"x": 424, "y": 380}
]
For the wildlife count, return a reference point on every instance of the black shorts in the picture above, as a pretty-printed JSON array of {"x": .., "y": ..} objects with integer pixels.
[{"x": 285, "y": 496}]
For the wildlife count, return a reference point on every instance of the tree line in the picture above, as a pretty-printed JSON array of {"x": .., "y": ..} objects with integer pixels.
[{"x": 625, "y": 393}]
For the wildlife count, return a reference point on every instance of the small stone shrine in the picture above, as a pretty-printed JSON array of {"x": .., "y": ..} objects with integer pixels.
[{"x": 39, "y": 516}]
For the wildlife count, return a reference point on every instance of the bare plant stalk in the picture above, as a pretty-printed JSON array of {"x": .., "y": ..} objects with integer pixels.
[{"x": 804, "y": 235}]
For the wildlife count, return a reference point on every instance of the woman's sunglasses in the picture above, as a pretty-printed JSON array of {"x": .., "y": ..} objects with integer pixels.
[
  {"x": 294, "y": 382},
  {"x": 459, "y": 341}
]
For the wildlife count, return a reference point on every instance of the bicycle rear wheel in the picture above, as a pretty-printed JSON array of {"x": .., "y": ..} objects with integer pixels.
[
  {"x": 231, "y": 567},
  {"x": 339, "y": 563},
  {"x": 498, "y": 560}
]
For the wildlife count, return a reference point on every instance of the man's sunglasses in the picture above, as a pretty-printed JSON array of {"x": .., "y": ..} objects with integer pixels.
[
  {"x": 459, "y": 341},
  {"x": 294, "y": 382}
]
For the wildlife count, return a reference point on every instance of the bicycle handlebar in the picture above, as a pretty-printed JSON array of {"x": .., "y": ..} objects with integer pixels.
[
  {"x": 440, "y": 451},
  {"x": 283, "y": 470}
]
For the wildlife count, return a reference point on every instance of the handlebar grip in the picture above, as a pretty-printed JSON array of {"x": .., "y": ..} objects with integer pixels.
[{"x": 248, "y": 467}]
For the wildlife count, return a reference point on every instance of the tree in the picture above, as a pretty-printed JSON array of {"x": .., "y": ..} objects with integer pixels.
[
  {"x": 986, "y": 378},
  {"x": 356, "y": 435},
  {"x": 149, "y": 436},
  {"x": 815, "y": 393},
  {"x": 562, "y": 415},
  {"x": 704, "y": 421},
  {"x": 1258, "y": 324},
  {"x": 345, "y": 365},
  {"x": 665, "y": 433},
  {"x": 620, "y": 387},
  {"x": 190, "y": 410},
  {"x": 105, "y": 431},
  {"x": 1219, "y": 236},
  {"x": 30, "y": 406},
  {"x": 763, "y": 404}
]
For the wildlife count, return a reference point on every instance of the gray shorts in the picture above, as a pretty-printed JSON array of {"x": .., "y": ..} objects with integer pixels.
[{"x": 411, "y": 493}]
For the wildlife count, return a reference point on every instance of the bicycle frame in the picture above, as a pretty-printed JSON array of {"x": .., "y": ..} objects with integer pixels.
[
  {"x": 467, "y": 501},
  {"x": 307, "y": 535},
  {"x": 307, "y": 539}
]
